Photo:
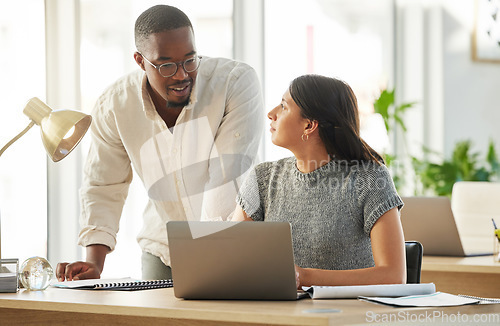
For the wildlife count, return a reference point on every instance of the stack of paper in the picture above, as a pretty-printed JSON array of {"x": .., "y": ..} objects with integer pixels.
[
  {"x": 8, "y": 275},
  {"x": 397, "y": 295}
]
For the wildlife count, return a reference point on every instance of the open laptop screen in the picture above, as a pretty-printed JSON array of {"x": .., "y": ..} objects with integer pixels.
[
  {"x": 430, "y": 221},
  {"x": 232, "y": 260}
]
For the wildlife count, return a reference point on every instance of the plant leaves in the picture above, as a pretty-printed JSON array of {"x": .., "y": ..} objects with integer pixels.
[
  {"x": 463, "y": 166},
  {"x": 382, "y": 104},
  {"x": 492, "y": 159}
]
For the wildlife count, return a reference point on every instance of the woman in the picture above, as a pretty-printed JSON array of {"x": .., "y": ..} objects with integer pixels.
[{"x": 336, "y": 191}]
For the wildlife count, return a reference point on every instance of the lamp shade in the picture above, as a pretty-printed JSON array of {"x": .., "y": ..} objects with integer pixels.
[{"x": 61, "y": 130}]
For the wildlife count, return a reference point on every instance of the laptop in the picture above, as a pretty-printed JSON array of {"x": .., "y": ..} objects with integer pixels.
[
  {"x": 430, "y": 221},
  {"x": 232, "y": 260}
]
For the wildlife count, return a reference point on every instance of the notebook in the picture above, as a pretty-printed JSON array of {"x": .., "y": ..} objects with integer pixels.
[
  {"x": 232, "y": 260},
  {"x": 379, "y": 290},
  {"x": 437, "y": 299},
  {"x": 430, "y": 221},
  {"x": 121, "y": 284}
]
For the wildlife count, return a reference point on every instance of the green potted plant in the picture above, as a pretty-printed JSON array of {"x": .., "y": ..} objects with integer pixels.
[
  {"x": 434, "y": 174},
  {"x": 464, "y": 165}
]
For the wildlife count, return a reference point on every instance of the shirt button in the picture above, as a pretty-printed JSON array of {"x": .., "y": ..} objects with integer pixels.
[{"x": 237, "y": 135}]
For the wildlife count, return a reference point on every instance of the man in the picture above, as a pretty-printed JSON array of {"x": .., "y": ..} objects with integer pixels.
[{"x": 189, "y": 126}]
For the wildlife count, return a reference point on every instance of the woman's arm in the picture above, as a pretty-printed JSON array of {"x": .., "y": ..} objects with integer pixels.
[
  {"x": 388, "y": 253},
  {"x": 240, "y": 215}
]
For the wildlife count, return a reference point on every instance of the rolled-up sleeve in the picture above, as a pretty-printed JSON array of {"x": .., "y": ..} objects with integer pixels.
[{"x": 107, "y": 177}]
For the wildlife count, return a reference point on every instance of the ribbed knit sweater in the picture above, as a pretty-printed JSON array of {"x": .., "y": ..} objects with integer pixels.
[{"x": 331, "y": 209}]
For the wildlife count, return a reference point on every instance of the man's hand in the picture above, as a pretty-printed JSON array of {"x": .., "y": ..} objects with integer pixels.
[
  {"x": 77, "y": 271},
  {"x": 82, "y": 270}
]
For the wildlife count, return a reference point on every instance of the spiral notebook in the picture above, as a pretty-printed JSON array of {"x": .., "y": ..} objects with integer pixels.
[
  {"x": 481, "y": 300},
  {"x": 121, "y": 284},
  {"x": 437, "y": 299}
]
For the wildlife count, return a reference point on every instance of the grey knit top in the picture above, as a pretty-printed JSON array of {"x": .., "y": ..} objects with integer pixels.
[{"x": 332, "y": 209}]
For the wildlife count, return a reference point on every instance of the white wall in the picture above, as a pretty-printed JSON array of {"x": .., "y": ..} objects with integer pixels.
[
  {"x": 471, "y": 89},
  {"x": 457, "y": 97}
]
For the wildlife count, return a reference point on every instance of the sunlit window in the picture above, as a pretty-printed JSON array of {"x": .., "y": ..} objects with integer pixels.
[
  {"x": 23, "y": 193},
  {"x": 347, "y": 39}
]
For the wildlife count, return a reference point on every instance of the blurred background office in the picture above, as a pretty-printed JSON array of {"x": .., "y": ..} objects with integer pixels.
[{"x": 67, "y": 52}]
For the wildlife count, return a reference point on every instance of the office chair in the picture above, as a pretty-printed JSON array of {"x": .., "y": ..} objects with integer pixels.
[{"x": 414, "y": 252}]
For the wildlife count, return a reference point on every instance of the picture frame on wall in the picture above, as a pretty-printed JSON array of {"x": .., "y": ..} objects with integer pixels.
[{"x": 486, "y": 34}]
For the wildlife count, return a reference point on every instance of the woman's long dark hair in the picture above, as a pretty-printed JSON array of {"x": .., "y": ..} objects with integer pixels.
[{"x": 333, "y": 104}]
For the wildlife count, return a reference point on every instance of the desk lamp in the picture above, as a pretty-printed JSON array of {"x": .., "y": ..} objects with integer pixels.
[{"x": 61, "y": 130}]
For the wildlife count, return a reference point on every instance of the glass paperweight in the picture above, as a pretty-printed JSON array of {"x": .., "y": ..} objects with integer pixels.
[{"x": 36, "y": 273}]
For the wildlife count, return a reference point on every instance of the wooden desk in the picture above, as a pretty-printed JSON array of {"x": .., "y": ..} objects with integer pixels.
[
  {"x": 478, "y": 276},
  {"x": 155, "y": 307}
]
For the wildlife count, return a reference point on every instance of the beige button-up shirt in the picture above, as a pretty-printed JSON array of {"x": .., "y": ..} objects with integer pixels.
[{"x": 190, "y": 172}]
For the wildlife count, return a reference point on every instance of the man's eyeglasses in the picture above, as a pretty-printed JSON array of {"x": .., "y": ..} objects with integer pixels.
[{"x": 170, "y": 68}]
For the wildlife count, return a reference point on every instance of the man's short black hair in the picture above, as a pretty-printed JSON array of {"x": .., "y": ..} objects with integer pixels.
[{"x": 158, "y": 19}]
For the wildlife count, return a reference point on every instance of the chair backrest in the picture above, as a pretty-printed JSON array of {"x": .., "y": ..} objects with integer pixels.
[
  {"x": 414, "y": 252},
  {"x": 474, "y": 204}
]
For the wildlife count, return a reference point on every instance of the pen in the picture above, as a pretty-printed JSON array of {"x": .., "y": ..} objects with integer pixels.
[{"x": 497, "y": 230}]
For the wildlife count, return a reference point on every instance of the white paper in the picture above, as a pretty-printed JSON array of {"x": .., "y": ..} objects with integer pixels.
[
  {"x": 7, "y": 274},
  {"x": 438, "y": 299},
  {"x": 383, "y": 290}
]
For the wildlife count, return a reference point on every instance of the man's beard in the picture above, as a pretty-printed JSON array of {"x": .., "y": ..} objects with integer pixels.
[{"x": 176, "y": 105}]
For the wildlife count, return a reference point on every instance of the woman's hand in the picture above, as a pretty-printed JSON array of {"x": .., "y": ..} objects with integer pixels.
[{"x": 299, "y": 271}]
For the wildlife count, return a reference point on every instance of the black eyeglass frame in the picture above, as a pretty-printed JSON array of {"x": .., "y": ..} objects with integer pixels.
[{"x": 177, "y": 64}]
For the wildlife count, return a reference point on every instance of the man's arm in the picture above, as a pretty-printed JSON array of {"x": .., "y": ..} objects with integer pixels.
[
  {"x": 236, "y": 144},
  {"x": 107, "y": 176}
]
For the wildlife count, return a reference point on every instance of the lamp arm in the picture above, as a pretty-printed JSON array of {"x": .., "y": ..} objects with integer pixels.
[{"x": 31, "y": 124}]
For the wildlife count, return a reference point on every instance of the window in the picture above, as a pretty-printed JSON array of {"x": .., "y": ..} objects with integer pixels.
[
  {"x": 23, "y": 167},
  {"x": 347, "y": 39}
]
